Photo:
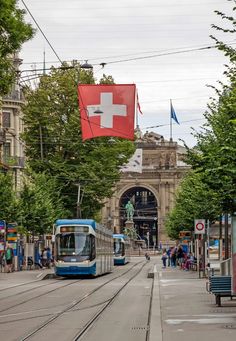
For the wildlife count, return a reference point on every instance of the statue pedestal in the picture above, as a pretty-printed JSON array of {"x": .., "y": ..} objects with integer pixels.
[{"x": 129, "y": 224}]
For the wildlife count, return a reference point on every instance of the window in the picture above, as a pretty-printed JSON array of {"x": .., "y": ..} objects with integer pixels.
[
  {"x": 76, "y": 246},
  {"x": 7, "y": 149},
  {"x": 6, "y": 119}
]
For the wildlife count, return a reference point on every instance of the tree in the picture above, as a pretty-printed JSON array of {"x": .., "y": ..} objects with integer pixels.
[
  {"x": 13, "y": 33},
  {"x": 194, "y": 200},
  {"x": 8, "y": 201},
  {"x": 40, "y": 204},
  {"x": 214, "y": 156},
  {"x": 54, "y": 144}
]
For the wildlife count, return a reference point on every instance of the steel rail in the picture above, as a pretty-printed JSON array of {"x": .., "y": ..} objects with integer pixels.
[
  {"x": 27, "y": 290},
  {"x": 74, "y": 304},
  {"x": 90, "y": 323},
  {"x": 40, "y": 295}
]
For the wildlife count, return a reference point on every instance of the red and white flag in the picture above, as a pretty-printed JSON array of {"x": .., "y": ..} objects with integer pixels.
[{"x": 107, "y": 110}]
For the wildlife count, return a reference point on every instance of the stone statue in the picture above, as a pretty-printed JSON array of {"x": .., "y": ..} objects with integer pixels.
[
  {"x": 162, "y": 159},
  {"x": 172, "y": 159},
  {"x": 129, "y": 210}
]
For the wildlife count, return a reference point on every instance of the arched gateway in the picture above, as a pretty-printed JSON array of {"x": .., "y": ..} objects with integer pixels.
[
  {"x": 149, "y": 181},
  {"x": 145, "y": 213}
]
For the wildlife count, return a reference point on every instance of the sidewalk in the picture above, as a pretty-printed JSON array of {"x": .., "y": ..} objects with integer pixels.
[
  {"x": 183, "y": 310},
  {"x": 20, "y": 277}
]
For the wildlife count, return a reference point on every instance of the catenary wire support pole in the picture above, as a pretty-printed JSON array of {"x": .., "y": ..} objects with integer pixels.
[
  {"x": 78, "y": 209},
  {"x": 208, "y": 243},
  {"x": 41, "y": 141}
]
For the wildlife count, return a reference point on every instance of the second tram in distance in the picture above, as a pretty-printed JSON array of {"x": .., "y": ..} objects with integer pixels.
[
  {"x": 82, "y": 247},
  {"x": 122, "y": 249}
]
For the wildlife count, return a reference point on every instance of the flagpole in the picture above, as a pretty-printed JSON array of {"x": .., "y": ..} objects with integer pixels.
[
  {"x": 170, "y": 122},
  {"x": 136, "y": 108}
]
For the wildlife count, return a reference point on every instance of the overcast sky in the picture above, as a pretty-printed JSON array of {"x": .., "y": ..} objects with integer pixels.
[{"x": 113, "y": 31}]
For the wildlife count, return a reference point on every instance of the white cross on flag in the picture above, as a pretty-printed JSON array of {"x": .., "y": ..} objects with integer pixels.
[{"x": 107, "y": 110}]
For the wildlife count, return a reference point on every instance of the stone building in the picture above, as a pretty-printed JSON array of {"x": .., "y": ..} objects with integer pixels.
[
  {"x": 12, "y": 149},
  {"x": 149, "y": 181}
]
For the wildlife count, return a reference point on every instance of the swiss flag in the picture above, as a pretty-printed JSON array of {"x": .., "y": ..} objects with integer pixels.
[{"x": 107, "y": 110}]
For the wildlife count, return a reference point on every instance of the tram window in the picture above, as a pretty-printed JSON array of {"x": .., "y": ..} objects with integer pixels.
[
  {"x": 117, "y": 247},
  {"x": 93, "y": 247},
  {"x": 73, "y": 244}
]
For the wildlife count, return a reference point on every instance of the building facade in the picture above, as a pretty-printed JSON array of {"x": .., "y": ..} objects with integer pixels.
[
  {"x": 12, "y": 148},
  {"x": 149, "y": 181}
]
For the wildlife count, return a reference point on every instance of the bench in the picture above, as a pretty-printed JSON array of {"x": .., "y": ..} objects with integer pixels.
[{"x": 220, "y": 286}]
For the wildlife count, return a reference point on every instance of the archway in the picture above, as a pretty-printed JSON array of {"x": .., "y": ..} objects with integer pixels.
[{"x": 145, "y": 213}]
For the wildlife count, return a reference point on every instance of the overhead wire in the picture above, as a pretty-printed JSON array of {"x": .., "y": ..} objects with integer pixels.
[
  {"x": 36, "y": 23},
  {"x": 111, "y": 62}
]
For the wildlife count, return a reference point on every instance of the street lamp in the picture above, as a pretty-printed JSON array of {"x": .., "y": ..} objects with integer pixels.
[{"x": 86, "y": 66}]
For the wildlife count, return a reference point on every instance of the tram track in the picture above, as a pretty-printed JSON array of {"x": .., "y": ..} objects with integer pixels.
[
  {"x": 19, "y": 285},
  {"x": 27, "y": 290},
  {"x": 91, "y": 322},
  {"x": 40, "y": 295},
  {"x": 70, "y": 307},
  {"x": 108, "y": 302}
]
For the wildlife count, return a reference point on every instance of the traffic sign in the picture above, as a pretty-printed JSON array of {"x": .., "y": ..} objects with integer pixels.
[{"x": 199, "y": 226}]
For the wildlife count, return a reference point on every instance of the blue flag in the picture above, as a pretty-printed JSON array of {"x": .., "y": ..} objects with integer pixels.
[{"x": 173, "y": 114}]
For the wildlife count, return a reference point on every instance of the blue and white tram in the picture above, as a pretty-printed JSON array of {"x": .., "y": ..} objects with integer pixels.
[
  {"x": 82, "y": 247},
  {"x": 122, "y": 248}
]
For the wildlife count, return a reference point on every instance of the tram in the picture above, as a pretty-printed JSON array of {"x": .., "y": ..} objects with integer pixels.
[
  {"x": 122, "y": 248},
  {"x": 82, "y": 247}
]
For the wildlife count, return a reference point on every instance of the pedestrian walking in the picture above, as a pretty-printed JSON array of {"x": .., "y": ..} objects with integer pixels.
[
  {"x": 9, "y": 256},
  {"x": 180, "y": 256},
  {"x": 44, "y": 257},
  {"x": 168, "y": 255},
  {"x": 164, "y": 258},
  {"x": 37, "y": 260},
  {"x": 2, "y": 261},
  {"x": 49, "y": 257},
  {"x": 173, "y": 257}
]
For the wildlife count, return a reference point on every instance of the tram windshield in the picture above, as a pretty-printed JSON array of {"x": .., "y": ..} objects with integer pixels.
[
  {"x": 76, "y": 246},
  {"x": 118, "y": 247}
]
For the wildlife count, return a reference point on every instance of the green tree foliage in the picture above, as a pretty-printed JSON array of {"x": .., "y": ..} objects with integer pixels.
[
  {"x": 8, "y": 201},
  {"x": 194, "y": 200},
  {"x": 54, "y": 144},
  {"x": 13, "y": 33},
  {"x": 209, "y": 189},
  {"x": 40, "y": 204},
  {"x": 214, "y": 156}
]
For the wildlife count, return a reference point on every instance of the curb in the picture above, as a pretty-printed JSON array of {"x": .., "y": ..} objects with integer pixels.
[
  {"x": 49, "y": 276},
  {"x": 156, "y": 323}
]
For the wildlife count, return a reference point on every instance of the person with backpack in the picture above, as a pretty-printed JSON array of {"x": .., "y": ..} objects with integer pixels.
[{"x": 9, "y": 256}]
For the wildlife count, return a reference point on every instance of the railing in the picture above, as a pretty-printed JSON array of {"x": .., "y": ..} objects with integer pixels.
[{"x": 15, "y": 95}]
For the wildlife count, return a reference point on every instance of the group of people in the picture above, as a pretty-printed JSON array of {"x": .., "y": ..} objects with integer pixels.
[
  {"x": 44, "y": 259},
  {"x": 174, "y": 256},
  {"x": 7, "y": 260}
]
